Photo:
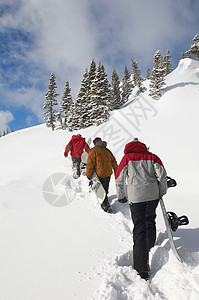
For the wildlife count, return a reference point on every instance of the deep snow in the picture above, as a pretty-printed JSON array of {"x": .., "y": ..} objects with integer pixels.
[{"x": 79, "y": 252}]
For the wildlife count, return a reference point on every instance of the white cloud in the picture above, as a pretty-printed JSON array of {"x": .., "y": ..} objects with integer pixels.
[
  {"x": 139, "y": 28},
  {"x": 25, "y": 98},
  {"x": 68, "y": 34},
  {"x": 5, "y": 118}
]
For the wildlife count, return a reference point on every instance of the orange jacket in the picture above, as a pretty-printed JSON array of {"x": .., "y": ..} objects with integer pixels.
[{"x": 101, "y": 160}]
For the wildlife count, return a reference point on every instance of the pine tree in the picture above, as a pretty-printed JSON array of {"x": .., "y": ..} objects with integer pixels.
[
  {"x": 194, "y": 48},
  {"x": 100, "y": 98},
  {"x": 182, "y": 55},
  {"x": 66, "y": 102},
  {"x": 92, "y": 71},
  {"x": 59, "y": 118},
  {"x": 115, "y": 102},
  {"x": 73, "y": 119},
  {"x": 93, "y": 100},
  {"x": 127, "y": 85},
  {"x": 137, "y": 78},
  {"x": 148, "y": 73},
  {"x": 157, "y": 77},
  {"x": 106, "y": 92},
  {"x": 82, "y": 107},
  {"x": 83, "y": 100},
  {"x": 51, "y": 101},
  {"x": 167, "y": 63}
]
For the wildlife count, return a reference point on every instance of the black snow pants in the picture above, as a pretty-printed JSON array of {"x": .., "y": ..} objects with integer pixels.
[
  {"x": 105, "y": 183},
  {"x": 144, "y": 232}
]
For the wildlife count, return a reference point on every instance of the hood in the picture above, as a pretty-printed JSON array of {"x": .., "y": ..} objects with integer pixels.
[
  {"x": 77, "y": 137},
  {"x": 101, "y": 143},
  {"x": 135, "y": 147}
]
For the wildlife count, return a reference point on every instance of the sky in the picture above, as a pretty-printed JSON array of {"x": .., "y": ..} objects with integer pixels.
[{"x": 63, "y": 36}]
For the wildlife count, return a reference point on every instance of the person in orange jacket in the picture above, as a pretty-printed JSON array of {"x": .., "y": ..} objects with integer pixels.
[
  {"x": 102, "y": 161},
  {"x": 76, "y": 147}
]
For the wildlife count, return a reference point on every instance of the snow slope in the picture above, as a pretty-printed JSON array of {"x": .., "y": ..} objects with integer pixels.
[{"x": 79, "y": 252}]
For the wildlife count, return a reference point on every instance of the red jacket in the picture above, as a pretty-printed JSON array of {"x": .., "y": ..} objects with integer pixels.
[
  {"x": 145, "y": 173},
  {"x": 76, "y": 146}
]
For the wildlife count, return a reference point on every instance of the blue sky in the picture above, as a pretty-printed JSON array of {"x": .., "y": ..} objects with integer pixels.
[{"x": 63, "y": 36}]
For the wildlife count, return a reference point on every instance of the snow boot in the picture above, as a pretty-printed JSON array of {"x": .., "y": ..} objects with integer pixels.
[
  {"x": 144, "y": 275},
  {"x": 107, "y": 208},
  {"x": 123, "y": 200}
]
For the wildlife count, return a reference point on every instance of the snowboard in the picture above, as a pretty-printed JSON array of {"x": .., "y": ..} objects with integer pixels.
[
  {"x": 172, "y": 221},
  {"x": 89, "y": 141},
  {"x": 96, "y": 185},
  {"x": 169, "y": 231}
]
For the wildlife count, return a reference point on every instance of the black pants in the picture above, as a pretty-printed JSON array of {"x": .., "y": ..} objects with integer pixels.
[
  {"x": 76, "y": 164},
  {"x": 144, "y": 232},
  {"x": 105, "y": 183}
]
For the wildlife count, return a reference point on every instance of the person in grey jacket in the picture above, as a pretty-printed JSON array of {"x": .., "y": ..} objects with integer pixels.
[{"x": 147, "y": 183}]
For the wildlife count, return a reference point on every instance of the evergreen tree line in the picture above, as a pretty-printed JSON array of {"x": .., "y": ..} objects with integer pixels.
[
  {"x": 162, "y": 67},
  {"x": 97, "y": 97},
  {"x": 5, "y": 132},
  {"x": 193, "y": 50}
]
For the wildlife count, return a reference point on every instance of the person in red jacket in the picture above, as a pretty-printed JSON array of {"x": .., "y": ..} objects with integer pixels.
[
  {"x": 147, "y": 183},
  {"x": 76, "y": 147}
]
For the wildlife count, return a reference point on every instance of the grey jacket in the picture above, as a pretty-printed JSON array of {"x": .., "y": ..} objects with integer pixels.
[{"x": 145, "y": 173}]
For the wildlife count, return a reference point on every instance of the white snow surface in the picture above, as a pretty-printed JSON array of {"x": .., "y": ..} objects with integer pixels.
[{"x": 79, "y": 252}]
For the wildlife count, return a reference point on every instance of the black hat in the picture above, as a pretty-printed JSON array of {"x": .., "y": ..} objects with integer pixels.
[{"x": 96, "y": 139}]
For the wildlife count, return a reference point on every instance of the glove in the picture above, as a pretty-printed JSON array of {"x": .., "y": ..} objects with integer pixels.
[
  {"x": 123, "y": 200},
  {"x": 65, "y": 155}
]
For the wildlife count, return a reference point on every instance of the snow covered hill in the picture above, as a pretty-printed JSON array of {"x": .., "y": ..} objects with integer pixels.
[{"x": 77, "y": 251}]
